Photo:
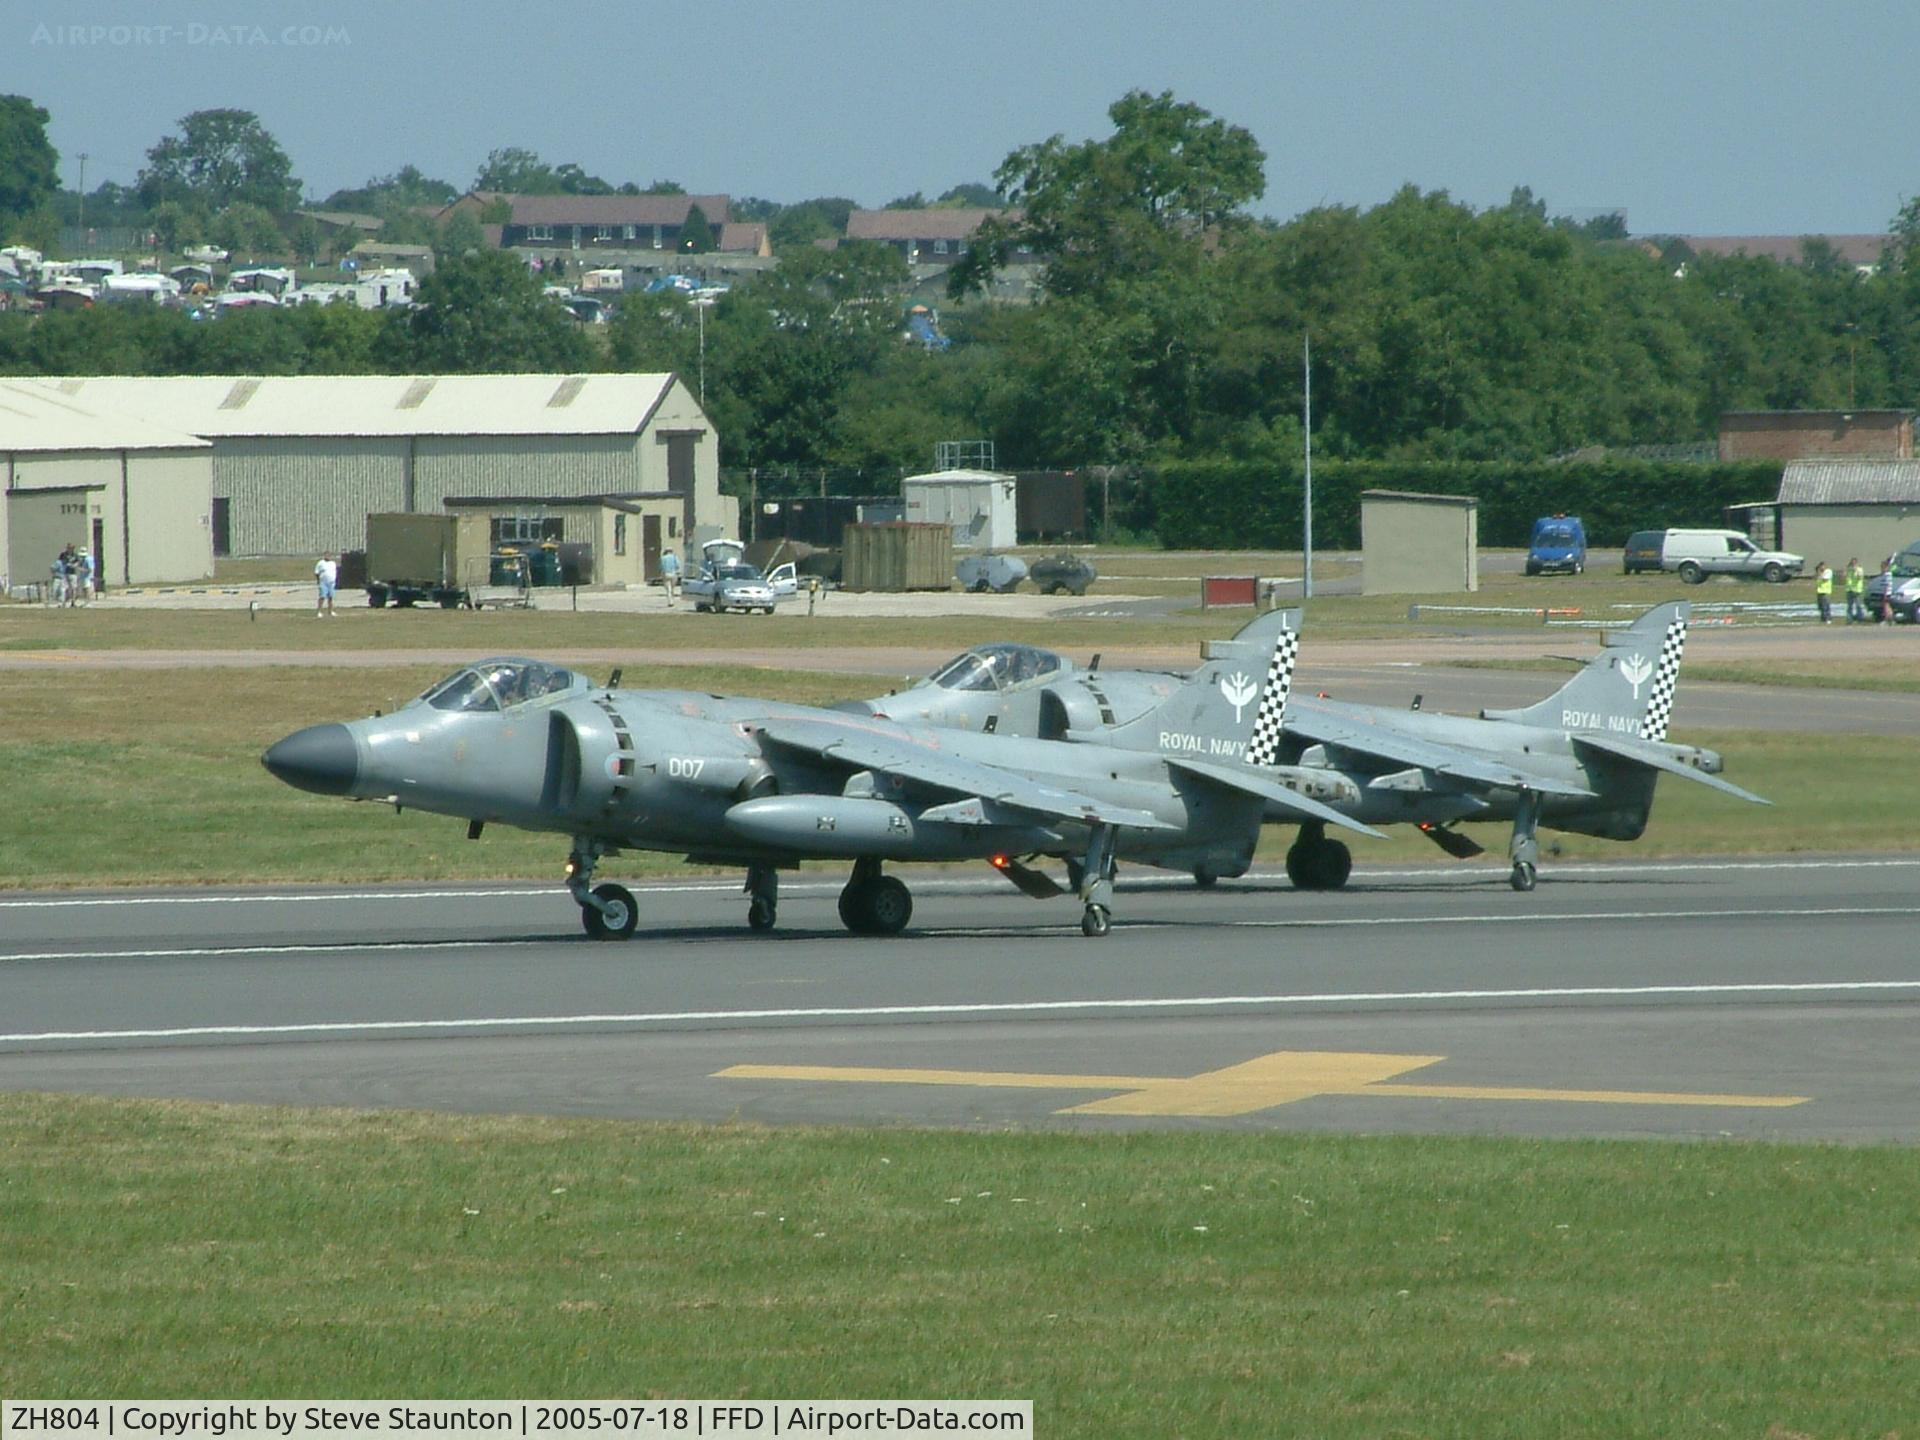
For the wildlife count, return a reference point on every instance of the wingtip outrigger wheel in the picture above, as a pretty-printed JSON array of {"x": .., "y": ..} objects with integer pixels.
[
  {"x": 1095, "y": 882},
  {"x": 1524, "y": 848}
]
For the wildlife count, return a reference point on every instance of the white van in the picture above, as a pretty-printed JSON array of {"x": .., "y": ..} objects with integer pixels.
[{"x": 1696, "y": 554}]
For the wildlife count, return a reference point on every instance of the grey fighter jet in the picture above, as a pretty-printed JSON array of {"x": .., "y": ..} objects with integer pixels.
[
  {"x": 765, "y": 785},
  {"x": 1583, "y": 760}
]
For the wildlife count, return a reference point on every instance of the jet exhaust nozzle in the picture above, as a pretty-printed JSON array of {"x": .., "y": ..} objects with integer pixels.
[{"x": 321, "y": 758}]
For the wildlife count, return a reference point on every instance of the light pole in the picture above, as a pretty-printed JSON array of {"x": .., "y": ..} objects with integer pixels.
[
  {"x": 703, "y": 303},
  {"x": 1306, "y": 364}
]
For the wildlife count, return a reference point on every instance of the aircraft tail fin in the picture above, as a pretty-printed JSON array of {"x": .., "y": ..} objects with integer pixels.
[
  {"x": 1232, "y": 707},
  {"x": 1627, "y": 689}
]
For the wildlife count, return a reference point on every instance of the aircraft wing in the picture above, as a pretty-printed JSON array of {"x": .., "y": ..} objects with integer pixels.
[
  {"x": 863, "y": 749},
  {"x": 1248, "y": 779},
  {"x": 1388, "y": 743},
  {"x": 1655, "y": 758}
]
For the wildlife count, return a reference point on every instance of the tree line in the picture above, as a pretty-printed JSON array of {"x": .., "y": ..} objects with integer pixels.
[{"x": 1167, "y": 324}]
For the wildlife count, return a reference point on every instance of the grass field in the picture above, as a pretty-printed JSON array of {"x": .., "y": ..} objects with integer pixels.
[
  {"x": 153, "y": 777},
  {"x": 1142, "y": 1285},
  {"x": 1139, "y": 1285}
]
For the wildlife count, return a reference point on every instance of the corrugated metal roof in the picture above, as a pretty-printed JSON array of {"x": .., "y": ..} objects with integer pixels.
[
  {"x": 221, "y": 405},
  {"x": 1850, "y": 482},
  {"x": 33, "y": 419}
]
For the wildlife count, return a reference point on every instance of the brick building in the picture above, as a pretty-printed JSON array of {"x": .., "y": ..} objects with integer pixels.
[{"x": 1815, "y": 434}]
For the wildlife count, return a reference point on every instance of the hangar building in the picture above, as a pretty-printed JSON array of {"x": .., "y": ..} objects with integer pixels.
[
  {"x": 139, "y": 495},
  {"x": 299, "y": 462}
]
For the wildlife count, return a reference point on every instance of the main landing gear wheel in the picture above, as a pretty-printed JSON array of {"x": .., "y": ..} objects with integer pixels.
[
  {"x": 1096, "y": 922},
  {"x": 617, "y": 914},
  {"x": 877, "y": 906},
  {"x": 1205, "y": 879},
  {"x": 763, "y": 890},
  {"x": 1524, "y": 876}
]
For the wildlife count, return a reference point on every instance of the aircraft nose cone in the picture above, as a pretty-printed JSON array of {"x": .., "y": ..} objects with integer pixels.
[{"x": 320, "y": 758}]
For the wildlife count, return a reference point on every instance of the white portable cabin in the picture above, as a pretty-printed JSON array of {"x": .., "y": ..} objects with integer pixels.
[{"x": 977, "y": 504}]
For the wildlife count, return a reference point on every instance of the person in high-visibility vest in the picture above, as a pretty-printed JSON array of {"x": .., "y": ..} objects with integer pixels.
[
  {"x": 1823, "y": 591},
  {"x": 1856, "y": 592}
]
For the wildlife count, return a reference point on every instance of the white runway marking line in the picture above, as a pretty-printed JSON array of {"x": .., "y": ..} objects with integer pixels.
[
  {"x": 1465, "y": 875},
  {"x": 1028, "y": 1007},
  {"x": 381, "y": 947}
]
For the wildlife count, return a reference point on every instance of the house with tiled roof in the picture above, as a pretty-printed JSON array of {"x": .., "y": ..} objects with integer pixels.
[
  {"x": 935, "y": 236},
  {"x": 1860, "y": 251},
  {"x": 743, "y": 237},
  {"x": 589, "y": 222}
]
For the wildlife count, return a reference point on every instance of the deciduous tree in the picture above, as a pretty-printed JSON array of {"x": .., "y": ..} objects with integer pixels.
[
  {"x": 29, "y": 169},
  {"x": 220, "y": 158}
]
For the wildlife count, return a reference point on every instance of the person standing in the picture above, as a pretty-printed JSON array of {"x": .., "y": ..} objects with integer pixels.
[
  {"x": 1823, "y": 591},
  {"x": 1886, "y": 593},
  {"x": 1856, "y": 591},
  {"x": 326, "y": 575},
  {"x": 670, "y": 575}
]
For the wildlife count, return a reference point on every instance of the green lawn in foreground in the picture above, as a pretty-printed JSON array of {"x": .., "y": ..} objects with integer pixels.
[
  {"x": 153, "y": 777},
  {"x": 1149, "y": 1285}
]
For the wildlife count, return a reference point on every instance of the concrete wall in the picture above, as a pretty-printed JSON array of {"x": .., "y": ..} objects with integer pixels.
[
  {"x": 1836, "y": 533},
  {"x": 1418, "y": 544}
]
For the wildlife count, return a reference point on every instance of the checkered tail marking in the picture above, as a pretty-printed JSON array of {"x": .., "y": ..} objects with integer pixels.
[
  {"x": 1263, "y": 746},
  {"x": 1665, "y": 678}
]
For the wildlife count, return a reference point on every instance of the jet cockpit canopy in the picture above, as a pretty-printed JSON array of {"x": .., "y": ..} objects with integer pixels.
[
  {"x": 501, "y": 684},
  {"x": 1002, "y": 666}
]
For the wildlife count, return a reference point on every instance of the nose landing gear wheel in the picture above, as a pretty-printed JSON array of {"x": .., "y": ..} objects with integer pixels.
[
  {"x": 1523, "y": 876},
  {"x": 616, "y": 917},
  {"x": 760, "y": 914},
  {"x": 1096, "y": 922}
]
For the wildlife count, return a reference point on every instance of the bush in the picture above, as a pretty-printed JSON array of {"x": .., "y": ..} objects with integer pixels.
[{"x": 1240, "y": 505}]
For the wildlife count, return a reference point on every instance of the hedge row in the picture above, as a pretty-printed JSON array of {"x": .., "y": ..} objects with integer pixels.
[{"x": 1227, "y": 505}]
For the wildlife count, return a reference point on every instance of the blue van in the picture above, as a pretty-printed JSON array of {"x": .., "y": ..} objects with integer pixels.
[{"x": 1559, "y": 543}]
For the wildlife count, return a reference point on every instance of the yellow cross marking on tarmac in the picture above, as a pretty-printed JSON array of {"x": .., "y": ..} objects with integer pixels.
[{"x": 1280, "y": 1078}]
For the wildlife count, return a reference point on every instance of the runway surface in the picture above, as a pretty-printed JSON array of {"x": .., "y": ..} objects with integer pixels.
[{"x": 1774, "y": 998}]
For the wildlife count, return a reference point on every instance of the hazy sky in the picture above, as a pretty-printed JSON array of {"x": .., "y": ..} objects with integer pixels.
[{"x": 1751, "y": 118}]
